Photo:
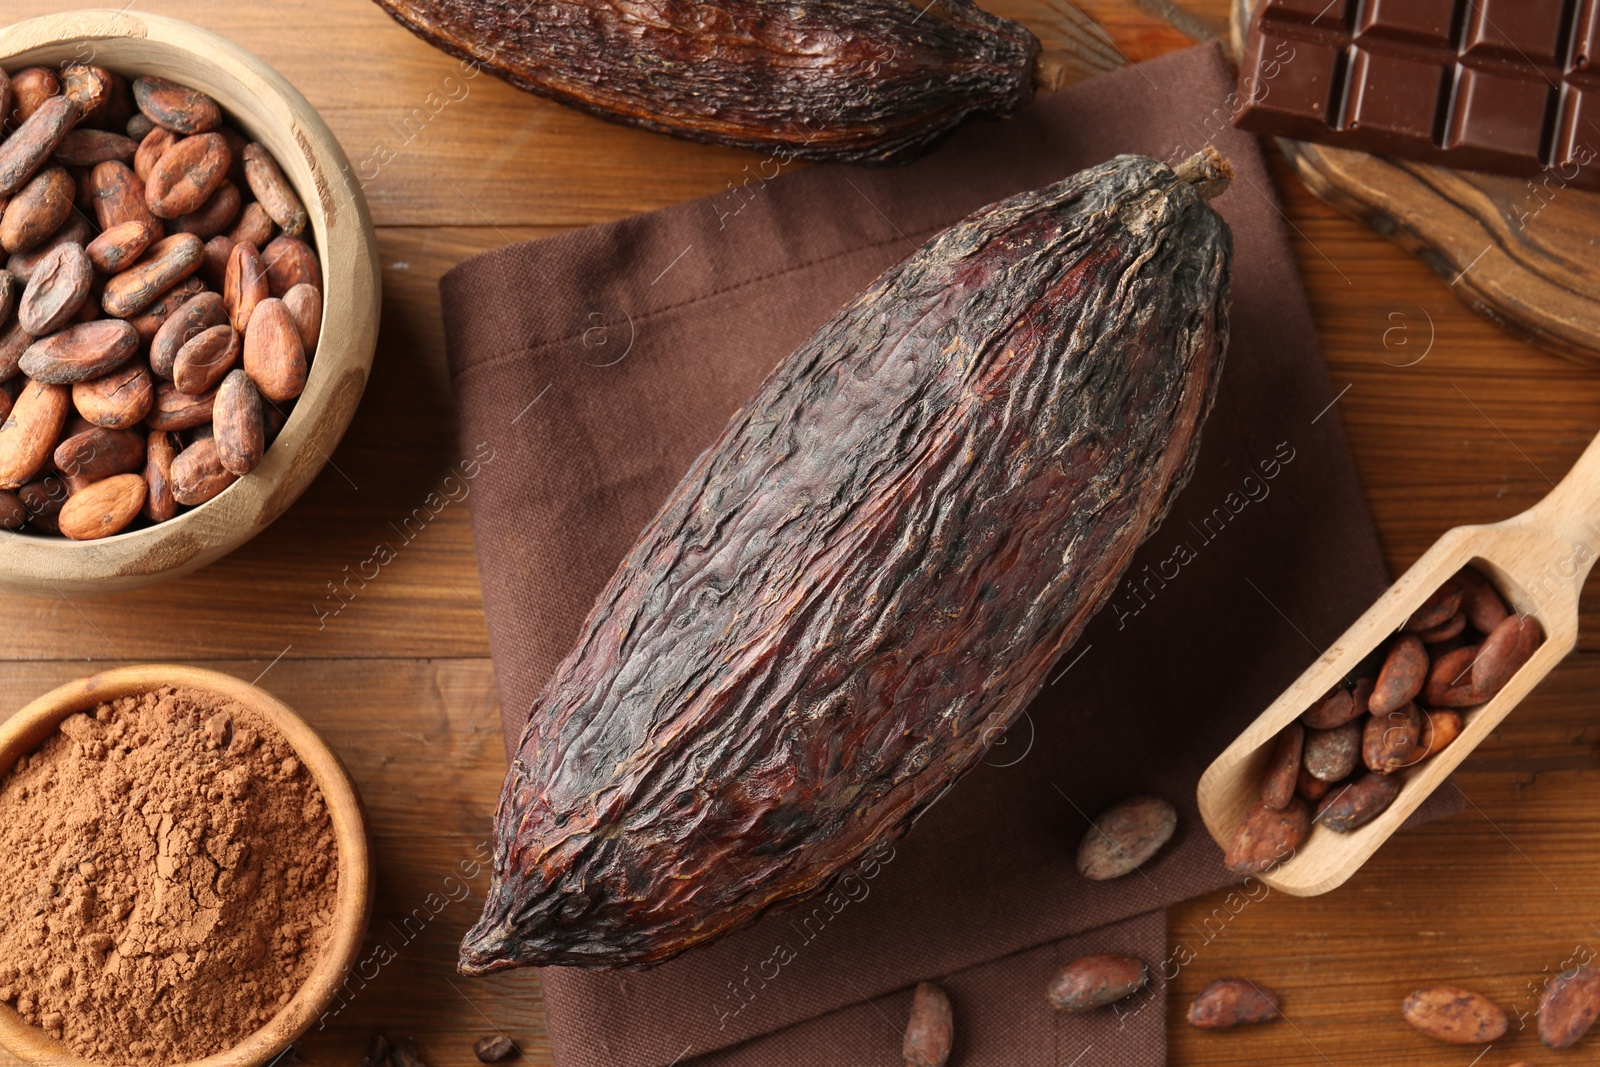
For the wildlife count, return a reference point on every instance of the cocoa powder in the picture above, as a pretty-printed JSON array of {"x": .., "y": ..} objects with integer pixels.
[{"x": 167, "y": 878}]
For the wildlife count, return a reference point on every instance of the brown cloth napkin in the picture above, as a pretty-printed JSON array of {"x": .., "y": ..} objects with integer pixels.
[{"x": 596, "y": 364}]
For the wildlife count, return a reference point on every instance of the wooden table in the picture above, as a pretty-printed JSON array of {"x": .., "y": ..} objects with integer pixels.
[{"x": 1451, "y": 422}]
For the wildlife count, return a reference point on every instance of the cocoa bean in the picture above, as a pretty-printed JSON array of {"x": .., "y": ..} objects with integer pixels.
[
  {"x": 102, "y": 509},
  {"x": 1310, "y": 786},
  {"x": 930, "y": 1028},
  {"x": 58, "y": 288},
  {"x": 1357, "y": 803},
  {"x": 1390, "y": 741},
  {"x": 200, "y": 313},
  {"x": 205, "y": 358},
  {"x": 198, "y": 473},
  {"x": 1265, "y": 837},
  {"x": 1455, "y": 1015},
  {"x": 87, "y": 87},
  {"x": 118, "y": 195},
  {"x": 1439, "y": 728},
  {"x": 169, "y": 261},
  {"x": 1125, "y": 836},
  {"x": 305, "y": 305},
  {"x": 1404, "y": 671},
  {"x": 494, "y": 1048},
  {"x": 272, "y": 190},
  {"x": 1568, "y": 1007},
  {"x": 1230, "y": 1002},
  {"x": 38, "y": 209},
  {"x": 8, "y": 294},
  {"x": 214, "y": 261},
  {"x": 290, "y": 262},
  {"x": 34, "y": 142},
  {"x": 176, "y": 410},
  {"x": 76, "y": 230},
  {"x": 98, "y": 453},
  {"x": 160, "y": 450},
  {"x": 13, "y": 513},
  {"x": 148, "y": 322},
  {"x": 176, "y": 107},
  {"x": 1452, "y": 627},
  {"x": 85, "y": 148},
  {"x": 1336, "y": 707},
  {"x": 151, "y": 149},
  {"x": 139, "y": 126},
  {"x": 1480, "y": 601},
  {"x": 186, "y": 175},
  {"x": 1503, "y": 652},
  {"x": 30, "y": 88},
  {"x": 1092, "y": 982},
  {"x": 214, "y": 217},
  {"x": 14, "y": 341},
  {"x": 1332, "y": 754},
  {"x": 273, "y": 355},
  {"x": 1449, "y": 682},
  {"x": 1440, "y": 605},
  {"x": 1283, "y": 768},
  {"x": 117, "y": 400},
  {"x": 254, "y": 227},
  {"x": 117, "y": 109},
  {"x": 43, "y": 499},
  {"x": 30, "y": 432},
  {"x": 119, "y": 247},
  {"x": 244, "y": 285},
  {"x": 78, "y": 353}
]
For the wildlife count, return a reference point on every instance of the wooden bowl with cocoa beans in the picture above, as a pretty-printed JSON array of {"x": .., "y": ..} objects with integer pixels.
[{"x": 188, "y": 306}]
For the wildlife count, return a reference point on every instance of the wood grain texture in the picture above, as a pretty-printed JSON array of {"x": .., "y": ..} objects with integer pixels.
[{"x": 1451, "y": 422}]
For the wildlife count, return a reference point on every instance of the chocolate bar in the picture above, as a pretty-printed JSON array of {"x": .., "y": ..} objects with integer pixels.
[{"x": 1508, "y": 86}]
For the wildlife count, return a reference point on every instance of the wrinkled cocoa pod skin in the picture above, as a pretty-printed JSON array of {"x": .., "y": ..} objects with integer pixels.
[
  {"x": 856, "y": 81},
  {"x": 869, "y": 572}
]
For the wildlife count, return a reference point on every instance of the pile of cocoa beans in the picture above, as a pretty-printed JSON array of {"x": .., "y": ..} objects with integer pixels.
[
  {"x": 1406, "y": 702},
  {"x": 159, "y": 304}
]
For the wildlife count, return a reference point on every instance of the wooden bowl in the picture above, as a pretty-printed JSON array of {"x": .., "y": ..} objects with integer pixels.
[
  {"x": 269, "y": 110},
  {"x": 28, "y": 728}
]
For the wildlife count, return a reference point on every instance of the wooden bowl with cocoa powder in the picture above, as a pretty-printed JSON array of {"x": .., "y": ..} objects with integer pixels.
[
  {"x": 114, "y": 699},
  {"x": 265, "y": 107}
]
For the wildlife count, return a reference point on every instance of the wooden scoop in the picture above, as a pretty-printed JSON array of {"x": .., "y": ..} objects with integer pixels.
[{"x": 1538, "y": 560}]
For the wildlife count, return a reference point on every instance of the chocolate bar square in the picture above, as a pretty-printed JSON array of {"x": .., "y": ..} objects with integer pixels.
[
  {"x": 1393, "y": 95},
  {"x": 1577, "y": 152},
  {"x": 1331, "y": 14},
  {"x": 1294, "y": 82},
  {"x": 1528, "y": 31},
  {"x": 1423, "y": 21},
  {"x": 1497, "y": 115}
]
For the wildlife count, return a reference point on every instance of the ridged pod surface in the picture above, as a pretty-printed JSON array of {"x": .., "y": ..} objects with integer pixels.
[
  {"x": 867, "y": 577},
  {"x": 864, "y": 81}
]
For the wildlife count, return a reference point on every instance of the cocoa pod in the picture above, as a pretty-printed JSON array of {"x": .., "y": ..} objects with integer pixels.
[
  {"x": 1092, "y": 982},
  {"x": 30, "y": 432},
  {"x": 237, "y": 421},
  {"x": 214, "y": 261},
  {"x": 118, "y": 195},
  {"x": 198, "y": 473},
  {"x": 148, "y": 322},
  {"x": 1439, "y": 728},
  {"x": 205, "y": 358},
  {"x": 98, "y": 453},
  {"x": 273, "y": 191},
  {"x": 38, "y": 209},
  {"x": 1230, "y": 1002},
  {"x": 102, "y": 509},
  {"x": 881, "y": 83},
  {"x": 186, "y": 175},
  {"x": 884, "y": 425},
  {"x": 1480, "y": 601},
  {"x": 168, "y": 261},
  {"x": 202, "y": 312},
  {"x": 58, "y": 289},
  {"x": 1452, "y": 627},
  {"x": 14, "y": 341},
  {"x": 1390, "y": 741},
  {"x": 244, "y": 285},
  {"x": 30, "y": 88},
  {"x": 290, "y": 262},
  {"x": 1124, "y": 836},
  {"x": 78, "y": 353},
  {"x": 160, "y": 450},
  {"x": 1265, "y": 837},
  {"x": 254, "y": 227},
  {"x": 1354, "y": 804},
  {"x": 43, "y": 500},
  {"x": 1455, "y": 1015},
  {"x": 118, "y": 400},
  {"x": 930, "y": 1029},
  {"x": 1404, "y": 671},
  {"x": 85, "y": 148},
  {"x": 13, "y": 512},
  {"x": 305, "y": 307},
  {"x": 1442, "y": 603},
  {"x": 1335, "y": 708},
  {"x": 121, "y": 246},
  {"x": 1283, "y": 767},
  {"x": 1568, "y": 1007},
  {"x": 76, "y": 230},
  {"x": 1503, "y": 653},
  {"x": 34, "y": 142},
  {"x": 213, "y": 217},
  {"x": 151, "y": 149},
  {"x": 176, "y": 410},
  {"x": 1310, "y": 786},
  {"x": 176, "y": 107},
  {"x": 273, "y": 355},
  {"x": 1332, "y": 754},
  {"x": 87, "y": 87},
  {"x": 1449, "y": 682}
]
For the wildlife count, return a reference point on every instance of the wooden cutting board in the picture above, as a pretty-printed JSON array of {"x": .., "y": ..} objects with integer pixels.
[{"x": 1525, "y": 254}]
